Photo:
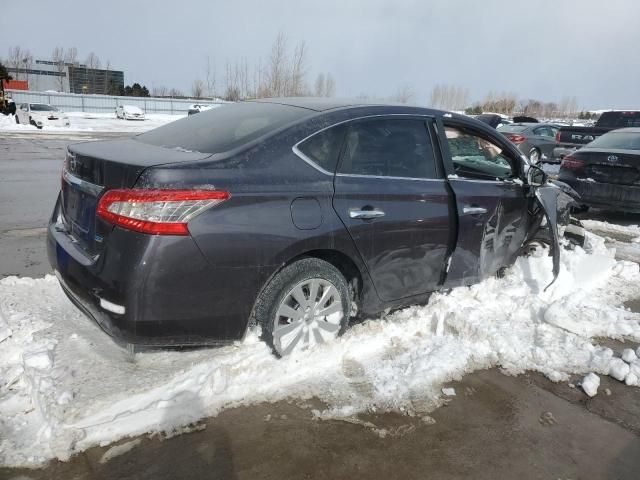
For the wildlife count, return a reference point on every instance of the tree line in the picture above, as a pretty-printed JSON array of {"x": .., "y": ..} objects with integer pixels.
[
  {"x": 283, "y": 74},
  {"x": 452, "y": 97}
]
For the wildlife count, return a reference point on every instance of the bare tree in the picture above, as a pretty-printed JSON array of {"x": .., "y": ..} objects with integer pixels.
[
  {"x": 277, "y": 68},
  {"x": 319, "y": 88},
  {"x": 197, "y": 89},
  {"x": 15, "y": 60},
  {"x": 93, "y": 63},
  {"x": 243, "y": 77},
  {"x": 329, "y": 86},
  {"x": 449, "y": 97},
  {"x": 159, "y": 91},
  {"x": 297, "y": 84},
  {"x": 107, "y": 80},
  {"x": 174, "y": 92},
  {"x": 57, "y": 57},
  {"x": 232, "y": 81},
  {"x": 436, "y": 96},
  {"x": 211, "y": 78},
  {"x": 71, "y": 56},
  {"x": 404, "y": 94},
  {"x": 27, "y": 63}
]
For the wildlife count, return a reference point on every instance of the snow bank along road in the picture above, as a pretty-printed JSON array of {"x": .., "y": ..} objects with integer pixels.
[
  {"x": 65, "y": 386},
  {"x": 82, "y": 122}
]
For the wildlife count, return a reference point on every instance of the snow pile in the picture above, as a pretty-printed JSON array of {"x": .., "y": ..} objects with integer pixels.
[
  {"x": 65, "y": 386},
  {"x": 92, "y": 122},
  {"x": 8, "y": 122},
  {"x": 625, "y": 239},
  {"x": 590, "y": 384},
  {"x": 628, "y": 232}
]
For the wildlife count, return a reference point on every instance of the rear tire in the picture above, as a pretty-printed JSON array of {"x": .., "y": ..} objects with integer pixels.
[{"x": 305, "y": 303}]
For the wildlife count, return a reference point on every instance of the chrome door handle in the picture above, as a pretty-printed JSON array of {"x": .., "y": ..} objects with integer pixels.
[
  {"x": 365, "y": 214},
  {"x": 467, "y": 210}
]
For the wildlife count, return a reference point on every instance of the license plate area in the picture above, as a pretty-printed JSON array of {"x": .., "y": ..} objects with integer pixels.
[
  {"x": 611, "y": 174},
  {"x": 78, "y": 212}
]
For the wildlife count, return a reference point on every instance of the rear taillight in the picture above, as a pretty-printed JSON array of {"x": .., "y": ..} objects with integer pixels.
[
  {"x": 157, "y": 212},
  {"x": 517, "y": 139},
  {"x": 557, "y": 137},
  {"x": 571, "y": 163}
]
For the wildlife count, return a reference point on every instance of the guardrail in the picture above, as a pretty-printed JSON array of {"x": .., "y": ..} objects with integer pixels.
[{"x": 73, "y": 102}]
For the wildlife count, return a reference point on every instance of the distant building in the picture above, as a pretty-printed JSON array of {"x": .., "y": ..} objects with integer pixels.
[
  {"x": 70, "y": 78},
  {"x": 99, "y": 81}
]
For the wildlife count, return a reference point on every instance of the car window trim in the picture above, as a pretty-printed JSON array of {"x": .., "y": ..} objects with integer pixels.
[{"x": 308, "y": 160}]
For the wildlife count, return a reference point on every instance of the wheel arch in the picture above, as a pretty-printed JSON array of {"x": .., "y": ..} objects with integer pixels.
[{"x": 347, "y": 266}]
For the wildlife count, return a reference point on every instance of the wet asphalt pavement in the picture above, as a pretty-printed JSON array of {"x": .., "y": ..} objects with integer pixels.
[{"x": 523, "y": 427}]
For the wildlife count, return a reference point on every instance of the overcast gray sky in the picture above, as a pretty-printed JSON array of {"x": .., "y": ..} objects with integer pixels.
[{"x": 543, "y": 49}]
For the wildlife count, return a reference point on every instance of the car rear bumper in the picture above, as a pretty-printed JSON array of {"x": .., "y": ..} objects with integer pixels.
[
  {"x": 606, "y": 195},
  {"x": 154, "y": 290}
]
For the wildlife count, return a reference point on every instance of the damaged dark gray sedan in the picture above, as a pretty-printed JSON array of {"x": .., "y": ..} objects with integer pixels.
[{"x": 293, "y": 214}]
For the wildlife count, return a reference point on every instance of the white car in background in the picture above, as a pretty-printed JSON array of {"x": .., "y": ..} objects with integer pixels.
[
  {"x": 198, "y": 107},
  {"x": 129, "y": 112},
  {"x": 40, "y": 115}
]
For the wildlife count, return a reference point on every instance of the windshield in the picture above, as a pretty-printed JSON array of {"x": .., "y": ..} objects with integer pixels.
[
  {"x": 618, "y": 140},
  {"x": 224, "y": 128},
  {"x": 41, "y": 107}
]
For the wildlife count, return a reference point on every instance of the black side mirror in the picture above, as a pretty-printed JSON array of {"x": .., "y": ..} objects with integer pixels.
[{"x": 536, "y": 177}]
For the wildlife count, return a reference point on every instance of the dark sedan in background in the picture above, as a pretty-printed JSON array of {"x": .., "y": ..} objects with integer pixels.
[
  {"x": 606, "y": 172},
  {"x": 293, "y": 214},
  {"x": 535, "y": 140}
]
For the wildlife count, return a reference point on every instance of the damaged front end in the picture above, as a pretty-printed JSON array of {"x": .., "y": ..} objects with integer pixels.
[{"x": 555, "y": 200}]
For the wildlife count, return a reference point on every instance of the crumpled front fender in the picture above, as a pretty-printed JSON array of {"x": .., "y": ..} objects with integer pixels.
[{"x": 556, "y": 199}]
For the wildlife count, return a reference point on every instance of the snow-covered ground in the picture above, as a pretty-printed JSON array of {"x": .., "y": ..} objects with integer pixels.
[
  {"x": 92, "y": 122},
  {"x": 65, "y": 386}
]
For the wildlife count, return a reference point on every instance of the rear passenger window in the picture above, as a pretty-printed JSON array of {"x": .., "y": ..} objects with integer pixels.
[
  {"x": 323, "y": 148},
  {"x": 388, "y": 148}
]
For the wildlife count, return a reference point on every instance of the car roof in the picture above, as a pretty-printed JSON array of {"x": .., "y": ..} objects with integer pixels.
[{"x": 322, "y": 104}]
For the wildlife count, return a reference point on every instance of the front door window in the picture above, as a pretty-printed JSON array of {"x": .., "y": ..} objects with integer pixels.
[{"x": 477, "y": 157}]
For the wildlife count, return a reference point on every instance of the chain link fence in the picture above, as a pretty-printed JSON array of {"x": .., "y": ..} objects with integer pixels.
[{"x": 71, "y": 102}]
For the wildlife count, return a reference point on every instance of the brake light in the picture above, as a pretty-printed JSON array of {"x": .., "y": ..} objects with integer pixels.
[
  {"x": 558, "y": 137},
  {"x": 517, "y": 139},
  {"x": 157, "y": 212},
  {"x": 571, "y": 163}
]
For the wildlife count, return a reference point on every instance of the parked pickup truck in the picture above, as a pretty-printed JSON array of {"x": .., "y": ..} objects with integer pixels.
[{"x": 569, "y": 139}]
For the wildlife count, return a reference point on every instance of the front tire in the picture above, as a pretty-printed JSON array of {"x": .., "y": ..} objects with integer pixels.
[{"x": 304, "y": 304}]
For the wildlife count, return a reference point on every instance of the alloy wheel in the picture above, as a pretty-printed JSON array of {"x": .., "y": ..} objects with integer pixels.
[{"x": 310, "y": 313}]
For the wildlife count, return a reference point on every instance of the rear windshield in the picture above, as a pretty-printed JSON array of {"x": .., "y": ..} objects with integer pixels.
[
  {"x": 224, "y": 128},
  {"x": 619, "y": 119},
  {"x": 618, "y": 140},
  {"x": 513, "y": 128}
]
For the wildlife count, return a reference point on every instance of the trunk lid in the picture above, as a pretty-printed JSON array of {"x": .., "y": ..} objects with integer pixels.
[
  {"x": 92, "y": 168},
  {"x": 620, "y": 167}
]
